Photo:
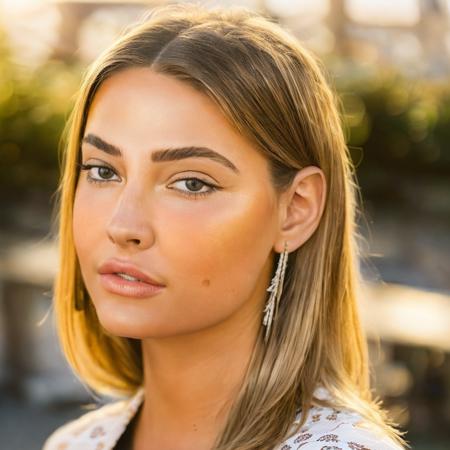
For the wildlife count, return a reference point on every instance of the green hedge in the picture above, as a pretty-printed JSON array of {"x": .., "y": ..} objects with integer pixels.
[
  {"x": 398, "y": 124},
  {"x": 33, "y": 109}
]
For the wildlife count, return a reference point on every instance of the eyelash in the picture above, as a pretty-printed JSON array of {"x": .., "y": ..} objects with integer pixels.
[{"x": 191, "y": 194}]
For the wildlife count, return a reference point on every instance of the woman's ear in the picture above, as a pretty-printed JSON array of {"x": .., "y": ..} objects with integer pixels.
[{"x": 301, "y": 207}]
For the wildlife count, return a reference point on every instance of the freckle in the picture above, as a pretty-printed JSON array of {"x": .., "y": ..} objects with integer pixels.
[{"x": 206, "y": 282}]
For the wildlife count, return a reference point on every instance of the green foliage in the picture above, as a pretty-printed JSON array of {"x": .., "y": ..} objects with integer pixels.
[
  {"x": 400, "y": 125},
  {"x": 34, "y": 106}
]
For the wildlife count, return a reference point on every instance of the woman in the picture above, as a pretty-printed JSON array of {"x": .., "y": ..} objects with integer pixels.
[{"x": 208, "y": 254}]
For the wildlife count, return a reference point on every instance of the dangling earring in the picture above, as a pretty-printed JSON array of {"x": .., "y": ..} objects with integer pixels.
[{"x": 275, "y": 288}]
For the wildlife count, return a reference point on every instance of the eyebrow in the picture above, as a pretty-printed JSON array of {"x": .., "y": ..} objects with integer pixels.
[{"x": 163, "y": 155}]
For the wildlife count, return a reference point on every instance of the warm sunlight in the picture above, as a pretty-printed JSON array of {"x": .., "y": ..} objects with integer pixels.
[{"x": 384, "y": 12}]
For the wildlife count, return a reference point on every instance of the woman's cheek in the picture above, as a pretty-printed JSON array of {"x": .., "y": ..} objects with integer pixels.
[
  {"x": 89, "y": 215},
  {"x": 211, "y": 241}
]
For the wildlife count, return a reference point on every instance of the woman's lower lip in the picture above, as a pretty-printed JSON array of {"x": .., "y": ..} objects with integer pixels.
[{"x": 118, "y": 285}]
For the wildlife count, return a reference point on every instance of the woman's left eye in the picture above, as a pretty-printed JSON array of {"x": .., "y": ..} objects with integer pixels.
[
  {"x": 194, "y": 185},
  {"x": 98, "y": 173}
]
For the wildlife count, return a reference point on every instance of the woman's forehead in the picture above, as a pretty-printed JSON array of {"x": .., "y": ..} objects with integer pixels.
[
  {"x": 160, "y": 95},
  {"x": 138, "y": 107}
]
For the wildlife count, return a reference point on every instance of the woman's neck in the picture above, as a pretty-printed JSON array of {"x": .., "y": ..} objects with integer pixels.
[{"x": 190, "y": 384}]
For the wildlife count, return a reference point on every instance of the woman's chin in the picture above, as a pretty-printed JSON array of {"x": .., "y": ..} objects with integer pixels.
[
  {"x": 119, "y": 329},
  {"x": 135, "y": 327},
  {"x": 118, "y": 323}
]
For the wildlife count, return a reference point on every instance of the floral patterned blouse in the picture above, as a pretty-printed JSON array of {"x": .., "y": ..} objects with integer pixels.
[{"x": 325, "y": 429}]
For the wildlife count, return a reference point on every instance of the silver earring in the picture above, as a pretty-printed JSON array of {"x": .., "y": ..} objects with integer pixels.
[{"x": 275, "y": 289}]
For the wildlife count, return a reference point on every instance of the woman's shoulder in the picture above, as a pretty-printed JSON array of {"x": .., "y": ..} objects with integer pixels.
[
  {"x": 328, "y": 428},
  {"x": 97, "y": 429}
]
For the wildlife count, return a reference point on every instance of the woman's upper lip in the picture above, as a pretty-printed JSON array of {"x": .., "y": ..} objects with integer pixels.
[{"x": 115, "y": 265}]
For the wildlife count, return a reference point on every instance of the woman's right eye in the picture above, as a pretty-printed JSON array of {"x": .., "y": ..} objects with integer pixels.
[{"x": 98, "y": 173}]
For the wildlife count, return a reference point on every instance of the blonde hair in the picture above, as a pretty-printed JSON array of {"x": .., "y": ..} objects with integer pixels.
[{"x": 274, "y": 92}]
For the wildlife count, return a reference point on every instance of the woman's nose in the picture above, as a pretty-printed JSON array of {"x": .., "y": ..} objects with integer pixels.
[{"x": 129, "y": 225}]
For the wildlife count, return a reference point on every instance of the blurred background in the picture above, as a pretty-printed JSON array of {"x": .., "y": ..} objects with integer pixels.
[{"x": 389, "y": 61}]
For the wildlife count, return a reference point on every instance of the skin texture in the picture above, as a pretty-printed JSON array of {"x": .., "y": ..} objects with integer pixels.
[{"x": 213, "y": 253}]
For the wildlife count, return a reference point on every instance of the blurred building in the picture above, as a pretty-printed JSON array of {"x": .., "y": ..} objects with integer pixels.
[{"x": 411, "y": 34}]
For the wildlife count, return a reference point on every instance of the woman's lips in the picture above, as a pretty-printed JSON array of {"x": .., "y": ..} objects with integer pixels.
[
  {"x": 138, "y": 289},
  {"x": 115, "y": 266}
]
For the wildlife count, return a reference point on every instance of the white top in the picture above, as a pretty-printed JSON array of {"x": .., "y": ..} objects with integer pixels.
[{"x": 325, "y": 429}]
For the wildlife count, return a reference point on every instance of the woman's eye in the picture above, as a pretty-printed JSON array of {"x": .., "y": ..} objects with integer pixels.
[
  {"x": 98, "y": 173},
  {"x": 190, "y": 187},
  {"x": 193, "y": 187}
]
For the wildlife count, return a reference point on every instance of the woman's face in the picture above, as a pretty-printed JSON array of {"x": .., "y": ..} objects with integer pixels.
[{"x": 202, "y": 225}]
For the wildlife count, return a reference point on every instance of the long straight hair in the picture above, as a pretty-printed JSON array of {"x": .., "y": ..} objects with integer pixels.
[{"x": 275, "y": 94}]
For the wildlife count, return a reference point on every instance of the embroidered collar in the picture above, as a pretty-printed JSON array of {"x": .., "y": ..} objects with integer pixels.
[{"x": 99, "y": 429}]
